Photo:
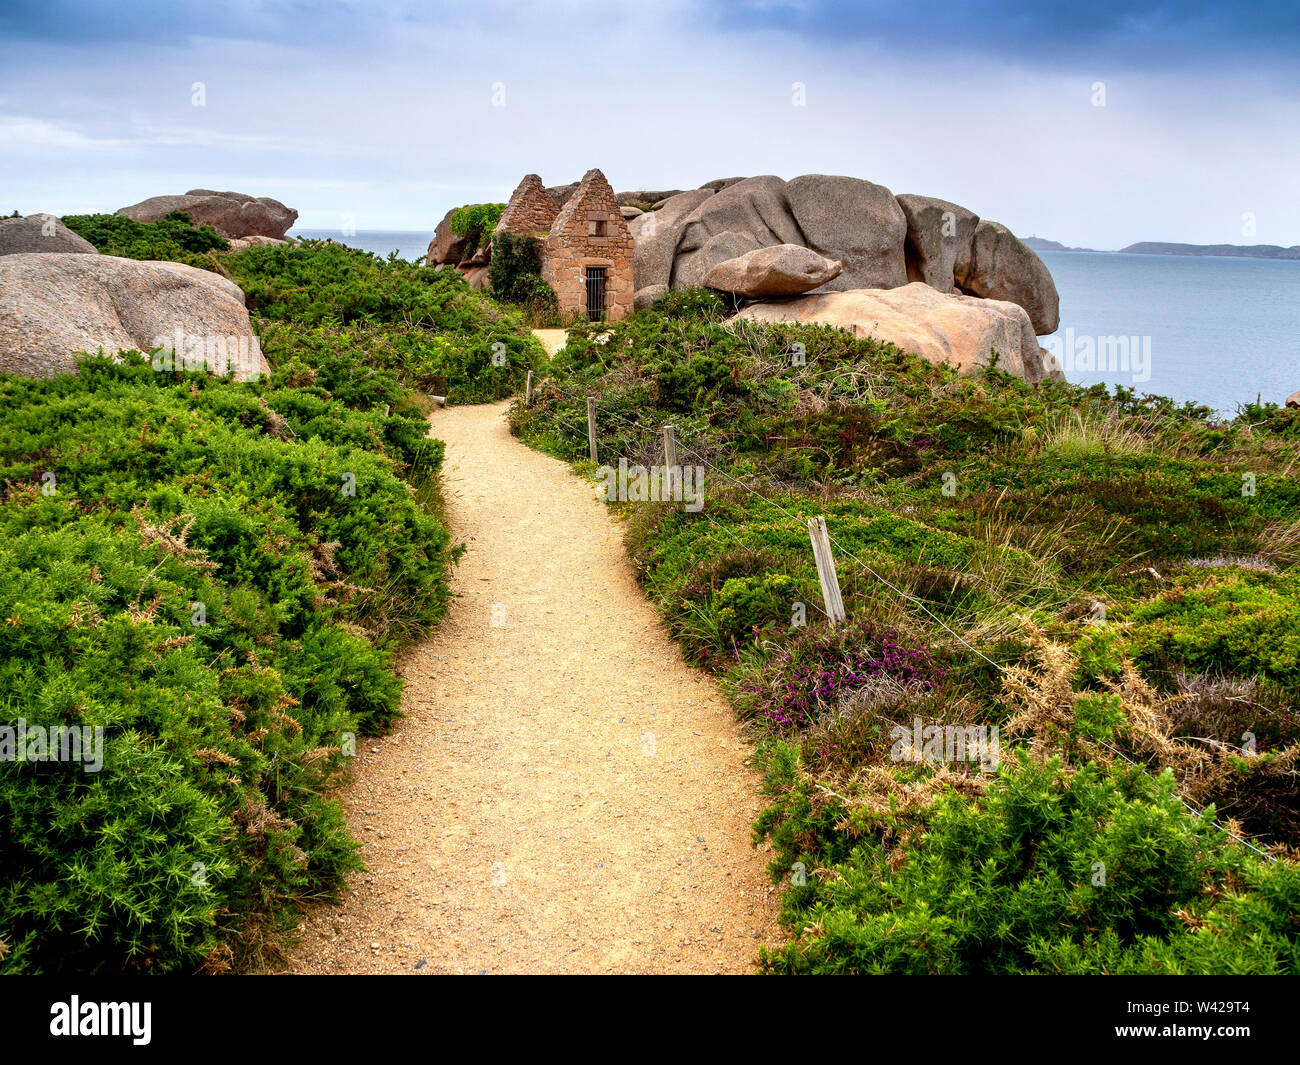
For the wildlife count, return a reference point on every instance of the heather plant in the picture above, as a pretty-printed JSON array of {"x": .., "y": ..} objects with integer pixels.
[{"x": 1046, "y": 560}]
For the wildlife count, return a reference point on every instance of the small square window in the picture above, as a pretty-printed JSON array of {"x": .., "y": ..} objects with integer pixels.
[{"x": 596, "y": 227}]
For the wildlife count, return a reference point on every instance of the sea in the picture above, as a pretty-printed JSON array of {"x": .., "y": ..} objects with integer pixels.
[
  {"x": 1201, "y": 329},
  {"x": 1205, "y": 329}
]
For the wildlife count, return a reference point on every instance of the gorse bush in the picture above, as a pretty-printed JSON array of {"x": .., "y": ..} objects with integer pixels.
[
  {"x": 426, "y": 326},
  {"x": 1049, "y": 561},
  {"x": 1097, "y": 871},
  {"x": 173, "y": 237},
  {"x": 217, "y": 575},
  {"x": 214, "y": 576},
  {"x": 475, "y": 222}
]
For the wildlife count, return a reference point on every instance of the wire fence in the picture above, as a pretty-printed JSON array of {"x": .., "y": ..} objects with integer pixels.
[{"x": 908, "y": 597}]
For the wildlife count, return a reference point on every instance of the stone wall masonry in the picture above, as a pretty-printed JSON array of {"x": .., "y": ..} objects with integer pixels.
[
  {"x": 572, "y": 247},
  {"x": 530, "y": 212}
]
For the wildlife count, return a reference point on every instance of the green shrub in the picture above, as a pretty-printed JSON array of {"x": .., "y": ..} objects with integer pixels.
[
  {"x": 173, "y": 237},
  {"x": 197, "y": 582},
  {"x": 1095, "y": 872},
  {"x": 426, "y": 326},
  {"x": 690, "y": 303},
  {"x": 474, "y": 222},
  {"x": 968, "y": 512},
  {"x": 516, "y": 274},
  {"x": 1229, "y": 622}
]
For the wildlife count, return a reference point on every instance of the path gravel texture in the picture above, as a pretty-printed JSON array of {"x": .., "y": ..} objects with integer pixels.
[
  {"x": 552, "y": 339},
  {"x": 566, "y": 795}
]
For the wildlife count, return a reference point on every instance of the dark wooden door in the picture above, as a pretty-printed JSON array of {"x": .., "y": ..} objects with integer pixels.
[{"x": 595, "y": 293}]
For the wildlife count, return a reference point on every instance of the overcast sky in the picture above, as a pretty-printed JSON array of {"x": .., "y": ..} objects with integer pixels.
[{"x": 1094, "y": 123}]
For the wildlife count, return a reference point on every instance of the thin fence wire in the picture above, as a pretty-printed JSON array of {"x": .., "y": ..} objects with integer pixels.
[{"x": 683, "y": 447}]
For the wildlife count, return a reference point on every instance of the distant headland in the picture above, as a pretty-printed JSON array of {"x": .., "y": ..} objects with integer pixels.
[{"x": 1158, "y": 247}]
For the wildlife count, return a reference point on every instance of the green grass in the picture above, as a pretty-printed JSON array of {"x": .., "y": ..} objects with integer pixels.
[{"x": 1105, "y": 576}]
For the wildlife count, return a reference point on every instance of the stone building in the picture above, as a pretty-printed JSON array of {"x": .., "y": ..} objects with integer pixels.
[
  {"x": 586, "y": 245},
  {"x": 530, "y": 212}
]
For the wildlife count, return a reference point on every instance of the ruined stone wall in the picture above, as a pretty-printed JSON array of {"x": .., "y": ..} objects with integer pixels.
[
  {"x": 572, "y": 247},
  {"x": 531, "y": 211}
]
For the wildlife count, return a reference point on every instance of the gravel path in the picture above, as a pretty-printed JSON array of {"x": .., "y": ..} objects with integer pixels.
[
  {"x": 552, "y": 339},
  {"x": 566, "y": 794}
]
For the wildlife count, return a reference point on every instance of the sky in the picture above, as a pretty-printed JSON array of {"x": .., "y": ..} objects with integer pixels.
[{"x": 1096, "y": 124}]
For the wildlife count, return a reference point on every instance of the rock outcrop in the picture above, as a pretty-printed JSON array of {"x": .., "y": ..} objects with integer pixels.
[
  {"x": 446, "y": 246},
  {"x": 939, "y": 237},
  {"x": 240, "y": 243},
  {"x": 781, "y": 270},
  {"x": 52, "y": 306},
  {"x": 882, "y": 241},
  {"x": 656, "y": 235},
  {"x": 1001, "y": 267},
  {"x": 855, "y": 221},
  {"x": 1293, "y": 400},
  {"x": 955, "y": 328},
  {"x": 756, "y": 207},
  {"x": 635, "y": 199},
  {"x": 232, "y": 214},
  {"x": 41, "y": 233}
]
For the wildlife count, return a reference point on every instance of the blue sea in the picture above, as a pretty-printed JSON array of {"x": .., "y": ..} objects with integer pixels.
[
  {"x": 1198, "y": 328},
  {"x": 1207, "y": 329},
  {"x": 408, "y": 244}
]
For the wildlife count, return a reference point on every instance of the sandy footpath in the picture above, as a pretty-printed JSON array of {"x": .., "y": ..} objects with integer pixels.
[{"x": 565, "y": 794}]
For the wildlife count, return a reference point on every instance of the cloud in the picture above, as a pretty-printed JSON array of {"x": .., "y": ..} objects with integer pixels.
[
  {"x": 21, "y": 132},
  {"x": 1132, "y": 34},
  {"x": 177, "y": 22}
]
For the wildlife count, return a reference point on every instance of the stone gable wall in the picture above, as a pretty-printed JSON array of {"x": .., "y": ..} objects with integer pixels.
[
  {"x": 571, "y": 248},
  {"x": 530, "y": 212}
]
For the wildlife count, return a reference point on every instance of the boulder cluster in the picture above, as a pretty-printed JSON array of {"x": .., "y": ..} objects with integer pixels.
[
  {"x": 232, "y": 214},
  {"x": 876, "y": 239},
  {"x": 59, "y": 296}
]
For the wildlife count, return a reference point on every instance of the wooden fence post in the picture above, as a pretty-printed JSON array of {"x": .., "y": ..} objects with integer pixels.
[
  {"x": 672, "y": 479},
  {"x": 528, "y": 390},
  {"x": 670, "y": 447},
  {"x": 591, "y": 428},
  {"x": 821, "y": 545}
]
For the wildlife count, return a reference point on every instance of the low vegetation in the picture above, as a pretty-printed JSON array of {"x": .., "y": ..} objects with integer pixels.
[
  {"x": 474, "y": 223},
  {"x": 426, "y": 326},
  {"x": 217, "y": 575},
  {"x": 174, "y": 238},
  {"x": 1097, "y": 591}
]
